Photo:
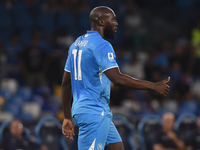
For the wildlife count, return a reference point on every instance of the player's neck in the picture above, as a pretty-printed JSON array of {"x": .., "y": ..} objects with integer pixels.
[{"x": 98, "y": 29}]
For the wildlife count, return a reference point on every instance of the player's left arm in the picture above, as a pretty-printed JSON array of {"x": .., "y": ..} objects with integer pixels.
[
  {"x": 66, "y": 96},
  {"x": 106, "y": 60},
  {"x": 119, "y": 79}
]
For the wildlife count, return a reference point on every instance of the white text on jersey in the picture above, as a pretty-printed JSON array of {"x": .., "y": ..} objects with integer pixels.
[{"x": 81, "y": 43}]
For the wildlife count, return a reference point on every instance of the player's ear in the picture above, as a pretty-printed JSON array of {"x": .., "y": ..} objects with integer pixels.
[{"x": 101, "y": 22}]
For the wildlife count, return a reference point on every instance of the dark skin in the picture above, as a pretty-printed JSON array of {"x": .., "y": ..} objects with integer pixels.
[{"x": 104, "y": 19}]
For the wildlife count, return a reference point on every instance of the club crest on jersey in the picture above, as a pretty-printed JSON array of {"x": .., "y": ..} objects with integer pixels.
[
  {"x": 110, "y": 56},
  {"x": 100, "y": 146}
]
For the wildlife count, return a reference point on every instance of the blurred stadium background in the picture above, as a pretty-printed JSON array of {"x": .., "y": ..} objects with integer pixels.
[{"x": 155, "y": 39}]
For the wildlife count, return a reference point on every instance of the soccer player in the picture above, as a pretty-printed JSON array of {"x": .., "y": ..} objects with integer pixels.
[{"x": 90, "y": 68}]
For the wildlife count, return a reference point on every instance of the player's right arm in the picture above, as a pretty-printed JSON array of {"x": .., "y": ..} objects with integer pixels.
[
  {"x": 66, "y": 96},
  {"x": 119, "y": 79}
]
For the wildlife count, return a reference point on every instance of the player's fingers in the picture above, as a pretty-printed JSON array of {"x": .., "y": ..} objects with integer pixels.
[
  {"x": 66, "y": 130},
  {"x": 69, "y": 133},
  {"x": 68, "y": 136},
  {"x": 168, "y": 89},
  {"x": 71, "y": 136},
  {"x": 167, "y": 86},
  {"x": 63, "y": 132},
  {"x": 166, "y": 93},
  {"x": 166, "y": 80},
  {"x": 73, "y": 131},
  {"x": 162, "y": 92},
  {"x": 66, "y": 133}
]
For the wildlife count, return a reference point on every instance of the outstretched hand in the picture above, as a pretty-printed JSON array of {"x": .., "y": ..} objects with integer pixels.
[
  {"x": 162, "y": 87},
  {"x": 68, "y": 128}
]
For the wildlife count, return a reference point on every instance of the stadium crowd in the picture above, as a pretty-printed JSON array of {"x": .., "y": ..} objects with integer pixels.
[{"x": 155, "y": 39}]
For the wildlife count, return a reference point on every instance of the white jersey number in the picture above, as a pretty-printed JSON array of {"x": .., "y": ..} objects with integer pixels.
[{"x": 74, "y": 52}]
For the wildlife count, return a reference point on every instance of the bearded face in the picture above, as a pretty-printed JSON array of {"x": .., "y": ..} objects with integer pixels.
[{"x": 109, "y": 32}]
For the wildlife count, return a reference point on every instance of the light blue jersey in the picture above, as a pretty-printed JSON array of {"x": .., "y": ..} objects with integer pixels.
[{"x": 88, "y": 57}]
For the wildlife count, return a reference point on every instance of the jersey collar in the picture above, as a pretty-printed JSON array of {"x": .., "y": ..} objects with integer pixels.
[{"x": 94, "y": 33}]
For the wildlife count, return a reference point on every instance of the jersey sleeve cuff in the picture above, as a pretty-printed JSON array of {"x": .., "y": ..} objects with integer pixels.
[
  {"x": 67, "y": 70},
  {"x": 110, "y": 68}
]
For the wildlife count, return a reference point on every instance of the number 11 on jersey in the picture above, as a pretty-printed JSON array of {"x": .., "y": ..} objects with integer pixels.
[{"x": 74, "y": 52}]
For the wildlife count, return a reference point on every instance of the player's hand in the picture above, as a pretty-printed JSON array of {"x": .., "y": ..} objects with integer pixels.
[
  {"x": 162, "y": 87},
  {"x": 68, "y": 128}
]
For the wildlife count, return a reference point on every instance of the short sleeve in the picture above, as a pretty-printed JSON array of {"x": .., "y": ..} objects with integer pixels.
[
  {"x": 67, "y": 64},
  {"x": 105, "y": 56}
]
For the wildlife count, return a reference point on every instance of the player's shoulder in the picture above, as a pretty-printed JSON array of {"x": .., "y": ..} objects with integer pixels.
[
  {"x": 74, "y": 44},
  {"x": 91, "y": 41},
  {"x": 104, "y": 45},
  {"x": 95, "y": 40},
  {"x": 99, "y": 42},
  {"x": 108, "y": 43}
]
